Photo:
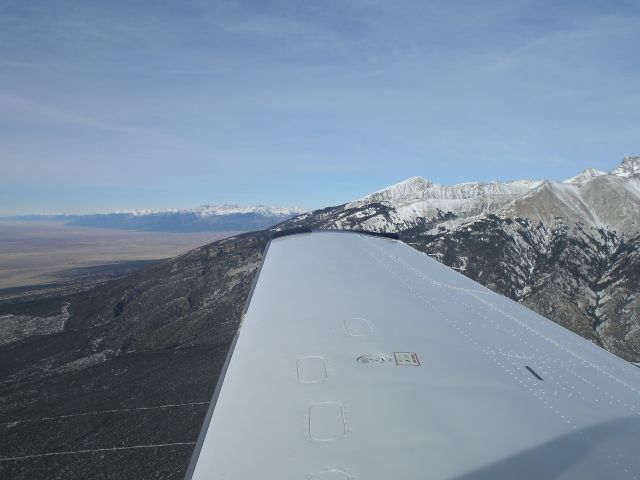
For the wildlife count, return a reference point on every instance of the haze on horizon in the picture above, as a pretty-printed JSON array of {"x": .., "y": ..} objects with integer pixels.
[{"x": 120, "y": 104}]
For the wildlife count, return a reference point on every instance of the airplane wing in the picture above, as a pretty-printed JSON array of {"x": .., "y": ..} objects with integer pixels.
[{"x": 360, "y": 358}]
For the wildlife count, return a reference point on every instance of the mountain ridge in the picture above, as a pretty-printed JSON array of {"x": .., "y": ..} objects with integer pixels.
[
  {"x": 226, "y": 217},
  {"x": 579, "y": 199}
]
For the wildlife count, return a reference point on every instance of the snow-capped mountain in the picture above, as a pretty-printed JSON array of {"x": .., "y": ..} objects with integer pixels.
[
  {"x": 630, "y": 166},
  {"x": 214, "y": 210},
  {"x": 418, "y": 197},
  {"x": 204, "y": 218},
  {"x": 592, "y": 198},
  {"x": 584, "y": 176}
]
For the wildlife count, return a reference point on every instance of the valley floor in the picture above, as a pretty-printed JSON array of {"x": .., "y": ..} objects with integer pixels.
[{"x": 36, "y": 253}]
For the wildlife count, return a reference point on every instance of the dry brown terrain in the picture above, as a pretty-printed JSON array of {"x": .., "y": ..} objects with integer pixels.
[{"x": 34, "y": 253}]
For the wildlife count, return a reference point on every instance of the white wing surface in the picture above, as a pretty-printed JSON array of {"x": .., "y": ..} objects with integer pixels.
[{"x": 360, "y": 358}]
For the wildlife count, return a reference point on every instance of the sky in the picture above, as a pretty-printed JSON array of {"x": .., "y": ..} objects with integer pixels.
[{"x": 108, "y": 105}]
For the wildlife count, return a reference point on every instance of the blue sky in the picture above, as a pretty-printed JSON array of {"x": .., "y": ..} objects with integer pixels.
[{"x": 152, "y": 104}]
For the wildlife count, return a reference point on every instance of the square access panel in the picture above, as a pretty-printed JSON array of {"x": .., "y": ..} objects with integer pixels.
[{"x": 406, "y": 358}]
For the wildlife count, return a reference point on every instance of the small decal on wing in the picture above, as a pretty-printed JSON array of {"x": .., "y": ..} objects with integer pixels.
[
  {"x": 407, "y": 358},
  {"x": 375, "y": 358}
]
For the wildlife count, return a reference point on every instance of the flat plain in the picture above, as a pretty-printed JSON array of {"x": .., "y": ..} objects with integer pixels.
[{"x": 37, "y": 253}]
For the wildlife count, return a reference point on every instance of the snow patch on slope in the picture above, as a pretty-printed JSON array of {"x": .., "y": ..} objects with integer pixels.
[{"x": 584, "y": 176}]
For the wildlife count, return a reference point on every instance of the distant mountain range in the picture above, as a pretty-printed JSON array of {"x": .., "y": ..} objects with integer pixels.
[
  {"x": 214, "y": 218},
  {"x": 592, "y": 198}
]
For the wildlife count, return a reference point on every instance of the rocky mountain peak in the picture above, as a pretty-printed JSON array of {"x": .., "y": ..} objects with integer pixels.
[
  {"x": 411, "y": 189},
  {"x": 584, "y": 176},
  {"x": 629, "y": 166}
]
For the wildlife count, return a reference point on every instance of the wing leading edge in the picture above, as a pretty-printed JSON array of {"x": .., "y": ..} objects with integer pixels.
[{"x": 361, "y": 358}]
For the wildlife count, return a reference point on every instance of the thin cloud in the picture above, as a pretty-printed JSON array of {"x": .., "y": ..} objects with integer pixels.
[
  {"x": 50, "y": 114},
  {"x": 181, "y": 92}
]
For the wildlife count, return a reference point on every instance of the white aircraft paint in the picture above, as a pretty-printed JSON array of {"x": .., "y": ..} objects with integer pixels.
[{"x": 440, "y": 378}]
